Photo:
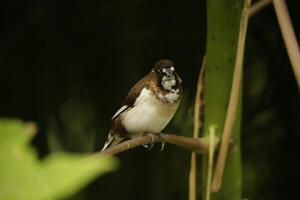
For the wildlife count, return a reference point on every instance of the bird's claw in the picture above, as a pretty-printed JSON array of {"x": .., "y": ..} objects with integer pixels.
[
  {"x": 162, "y": 144},
  {"x": 150, "y": 145}
]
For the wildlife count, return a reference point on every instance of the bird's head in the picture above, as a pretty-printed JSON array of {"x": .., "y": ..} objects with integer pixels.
[{"x": 165, "y": 71}]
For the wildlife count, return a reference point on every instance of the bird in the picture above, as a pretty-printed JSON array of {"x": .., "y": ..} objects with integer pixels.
[{"x": 149, "y": 105}]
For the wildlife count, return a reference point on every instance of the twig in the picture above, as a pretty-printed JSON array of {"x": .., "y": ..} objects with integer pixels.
[
  {"x": 259, "y": 6},
  {"x": 198, "y": 145},
  {"x": 233, "y": 101},
  {"x": 212, "y": 133},
  {"x": 198, "y": 107},
  {"x": 198, "y": 122},
  {"x": 289, "y": 37}
]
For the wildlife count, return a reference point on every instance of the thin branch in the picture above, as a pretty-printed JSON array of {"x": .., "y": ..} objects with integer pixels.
[
  {"x": 289, "y": 36},
  {"x": 233, "y": 101},
  {"x": 198, "y": 145},
  {"x": 212, "y": 133},
  {"x": 198, "y": 107},
  {"x": 257, "y": 7},
  {"x": 198, "y": 122}
]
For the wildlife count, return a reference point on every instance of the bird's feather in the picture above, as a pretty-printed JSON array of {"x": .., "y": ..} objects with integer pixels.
[
  {"x": 131, "y": 97},
  {"x": 112, "y": 140},
  {"x": 148, "y": 114},
  {"x": 134, "y": 93},
  {"x": 121, "y": 110}
]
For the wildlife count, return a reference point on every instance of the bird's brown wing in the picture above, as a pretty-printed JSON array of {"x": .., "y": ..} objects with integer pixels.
[{"x": 132, "y": 96}]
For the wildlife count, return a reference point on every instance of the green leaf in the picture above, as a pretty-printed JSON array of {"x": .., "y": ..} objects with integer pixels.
[
  {"x": 76, "y": 170},
  {"x": 24, "y": 176}
]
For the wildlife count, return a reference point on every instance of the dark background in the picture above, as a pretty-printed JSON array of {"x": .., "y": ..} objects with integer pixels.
[{"x": 69, "y": 64}]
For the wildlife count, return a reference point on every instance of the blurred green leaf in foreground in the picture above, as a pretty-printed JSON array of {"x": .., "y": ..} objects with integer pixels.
[{"x": 23, "y": 176}]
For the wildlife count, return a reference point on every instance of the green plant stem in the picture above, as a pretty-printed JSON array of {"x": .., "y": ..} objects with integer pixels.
[
  {"x": 233, "y": 102},
  {"x": 224, "y": 18}
]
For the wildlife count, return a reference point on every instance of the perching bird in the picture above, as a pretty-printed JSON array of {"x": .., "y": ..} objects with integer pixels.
[{"x": 149, "y": 106}]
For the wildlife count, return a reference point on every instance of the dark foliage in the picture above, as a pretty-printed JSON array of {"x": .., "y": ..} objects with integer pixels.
[{"x": 68, "y": 66}]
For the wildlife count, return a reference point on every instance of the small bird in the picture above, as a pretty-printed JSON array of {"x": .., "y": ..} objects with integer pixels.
[{"x": 149, "y": 105}]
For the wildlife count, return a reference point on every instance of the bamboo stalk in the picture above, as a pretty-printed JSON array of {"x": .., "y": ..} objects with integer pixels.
[
  {"x": 233, "y": 102},
  {"x": 224, "y": 17}
]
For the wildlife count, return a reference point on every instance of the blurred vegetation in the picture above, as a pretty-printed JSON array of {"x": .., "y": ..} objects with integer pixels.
[
  {"x": 69, "y": 65},
  {"x": 57, "y": 176}
]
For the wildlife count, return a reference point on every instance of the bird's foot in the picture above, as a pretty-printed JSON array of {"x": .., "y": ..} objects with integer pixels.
[{"x": 151, "y": 144}]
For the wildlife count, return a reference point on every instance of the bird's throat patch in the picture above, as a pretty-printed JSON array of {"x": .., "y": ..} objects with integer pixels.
[{"x": 168, "y": 84}]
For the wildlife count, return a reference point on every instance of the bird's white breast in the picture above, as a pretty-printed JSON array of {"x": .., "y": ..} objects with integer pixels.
[{"x": 148, "y": 114}]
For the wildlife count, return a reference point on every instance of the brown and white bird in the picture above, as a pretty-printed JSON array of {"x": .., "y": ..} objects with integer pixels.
[{"x": 149, "y": 106}]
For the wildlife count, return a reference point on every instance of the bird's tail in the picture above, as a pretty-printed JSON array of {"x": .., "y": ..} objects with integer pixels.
[{"x": 112, "y": 140}]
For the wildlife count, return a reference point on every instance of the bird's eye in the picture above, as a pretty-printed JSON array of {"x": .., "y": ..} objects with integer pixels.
[{"x": 172, "y": 68}]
